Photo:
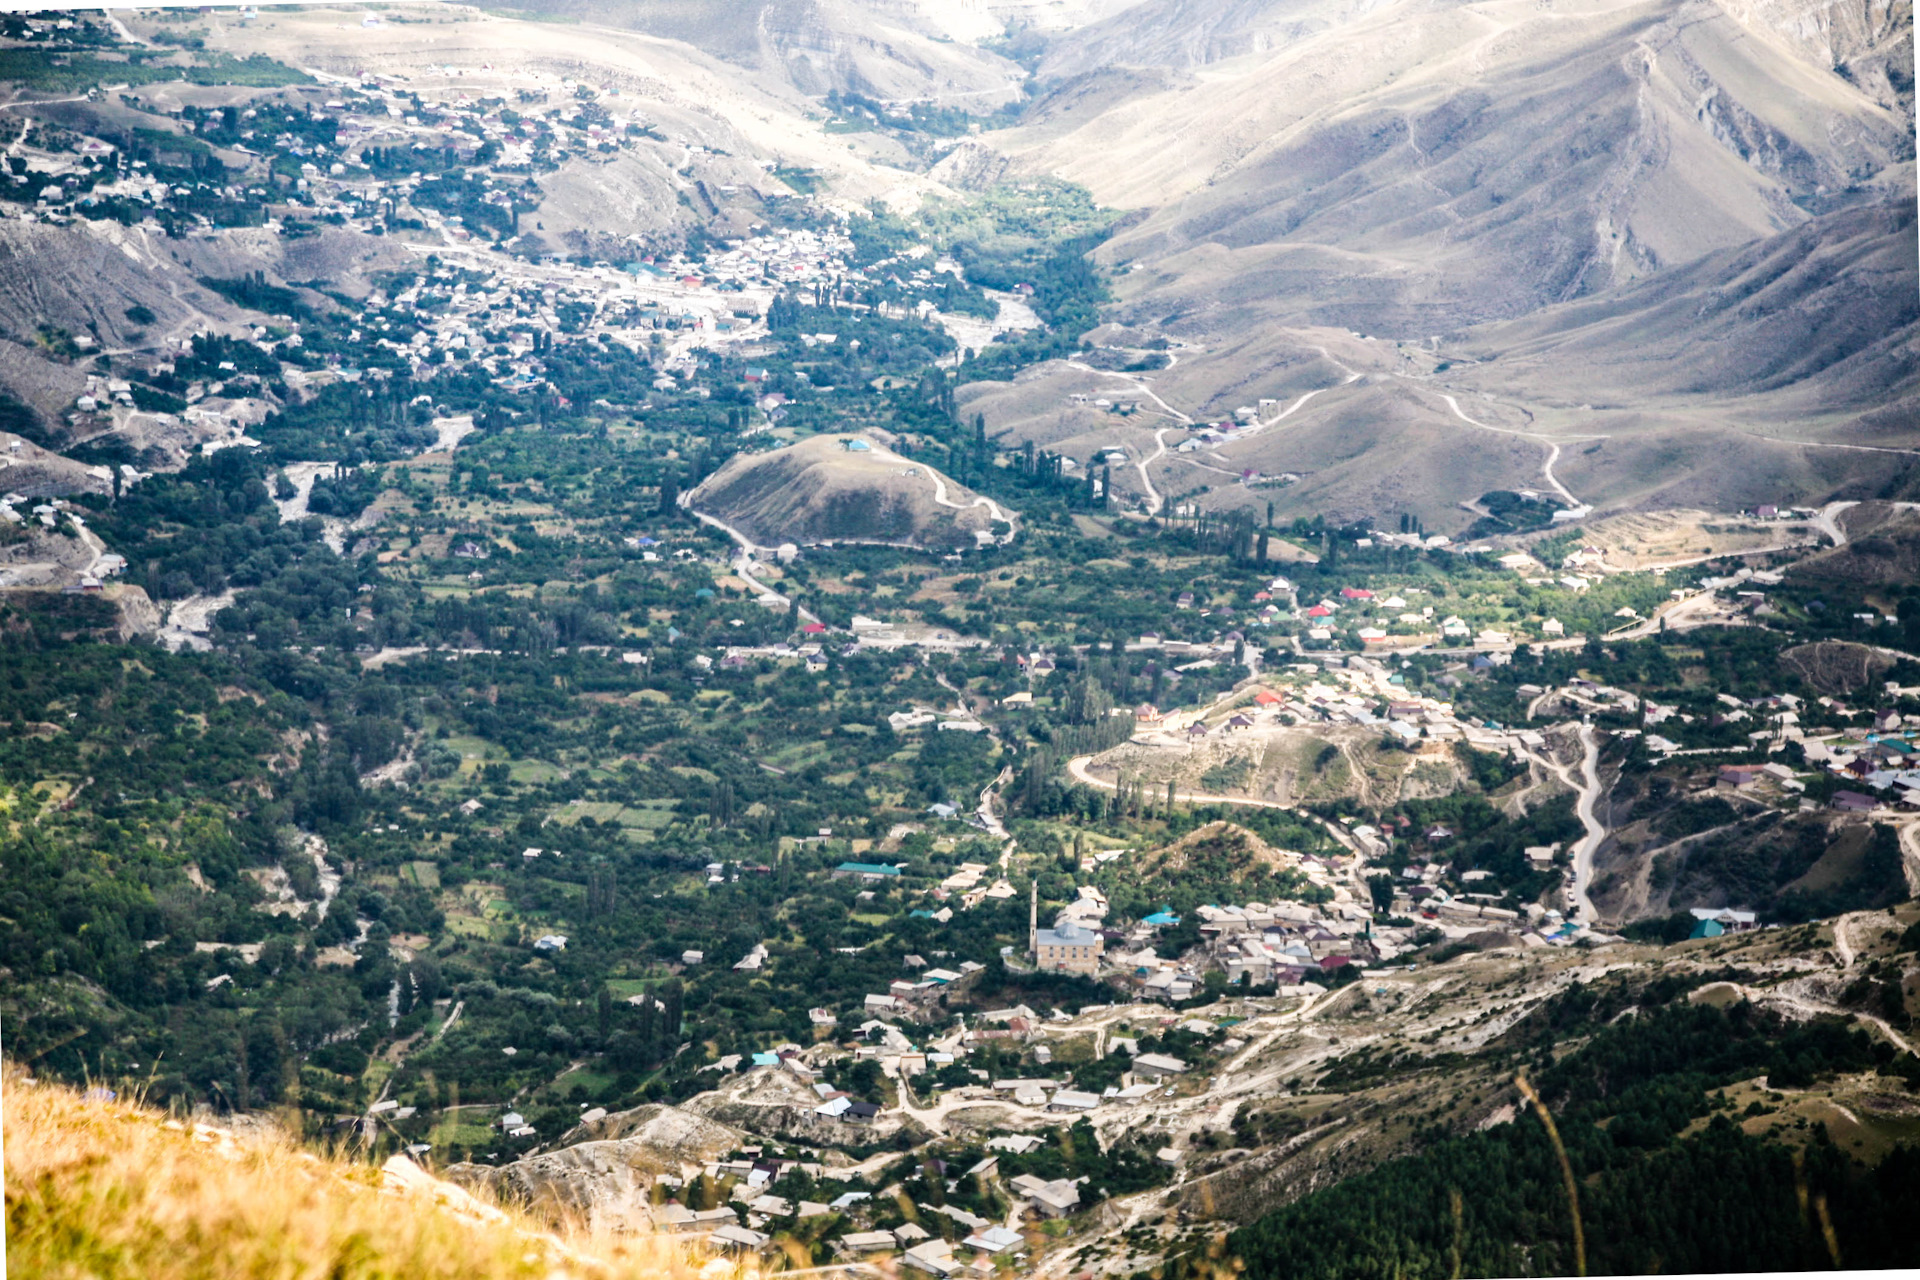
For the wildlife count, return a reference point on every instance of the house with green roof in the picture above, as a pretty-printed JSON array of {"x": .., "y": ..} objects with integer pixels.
[{"x": 866, "y": 870}]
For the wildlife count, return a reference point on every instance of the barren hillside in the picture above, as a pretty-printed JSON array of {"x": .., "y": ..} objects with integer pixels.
[
  {"x": 1671, "y": 229},
  {"x": 843, "y": 488},
  {"x": 906, "y": 49},
  {"x": 1427, "y": 168}
]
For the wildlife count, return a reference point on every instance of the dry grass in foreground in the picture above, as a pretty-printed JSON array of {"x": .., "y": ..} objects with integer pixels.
[{"x": 110, "y": 1190}]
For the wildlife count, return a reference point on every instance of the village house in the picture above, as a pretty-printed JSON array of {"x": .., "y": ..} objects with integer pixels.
[
  {"x": 866, "y": 1241},
  {"x": 1729, "y": 920},
  {"x": 1053, "y": 1199},
  {"x": 869, "y": 872}
]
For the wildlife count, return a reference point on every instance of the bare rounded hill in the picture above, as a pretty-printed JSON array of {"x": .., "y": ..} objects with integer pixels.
[{"x": 846, "y": 488}]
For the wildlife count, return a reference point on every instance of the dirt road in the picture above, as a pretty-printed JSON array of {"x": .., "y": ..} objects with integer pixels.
[
  {"x": 743, "y": 563},
  {"x": 1282, "y": 416},
  {"x": 1154, "y": 500},
  {"x": 991, "y": 820},
  {"x": 1139, "y": 384},
  {"x": 1077, "y": 767},
  {"x": 994, "y": 509},
  {"x": 1828, "y": 520},
  {"x": 1553, "y": 448},
  {"x": 1587, "y": 788},
  {"x": 1697, "y": 610}
]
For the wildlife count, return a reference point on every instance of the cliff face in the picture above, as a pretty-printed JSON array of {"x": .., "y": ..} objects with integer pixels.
[{"x": 1867, "y": 42}]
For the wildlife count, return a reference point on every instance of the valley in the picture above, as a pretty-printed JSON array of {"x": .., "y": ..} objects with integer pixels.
[{"x": 988, "y": 639}]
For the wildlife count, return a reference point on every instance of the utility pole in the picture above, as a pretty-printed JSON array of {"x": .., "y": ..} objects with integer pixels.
[{"x": 1033, "y": 922}]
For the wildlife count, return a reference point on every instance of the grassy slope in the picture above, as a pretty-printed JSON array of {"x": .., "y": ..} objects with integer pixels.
[{"x": 112, "y": 1189}]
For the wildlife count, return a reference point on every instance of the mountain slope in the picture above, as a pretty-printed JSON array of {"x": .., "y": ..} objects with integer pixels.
[
  {"x": 1825, "y": 313},
  {"x": 1674, "y": 241},
  {"x": 109, "y": 1189},
  {"x": 1185, "y": 34},
  {"x": 898, "y": 50},
  {"x": 843, "y": 488},
  {"x": 1422, "y": 169}
]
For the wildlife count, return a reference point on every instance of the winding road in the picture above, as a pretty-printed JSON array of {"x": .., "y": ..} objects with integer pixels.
[
  {"x": 91, "y": 541},
  {"x": 991, "y": 820},
  {"x": 1828, "y": 517},
  {"x": 743, "y": 563},
  {"x": 883, "y": 454},
  {"x": 1154, "y": 500},
  {"x": 1181, "y": 1119},
  {"x": 1284, "y": 414},
  {"x": 1589, "y": 845},
  {"x": 1553, "y": 447},
  {"x": 994, "y": 509},
  {"x": 1353, "y": 374},
  {"x": 1587, "y": 788},
  {"x": 1828, "y": 521},
  {"x": 1137, "y": 384}
]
